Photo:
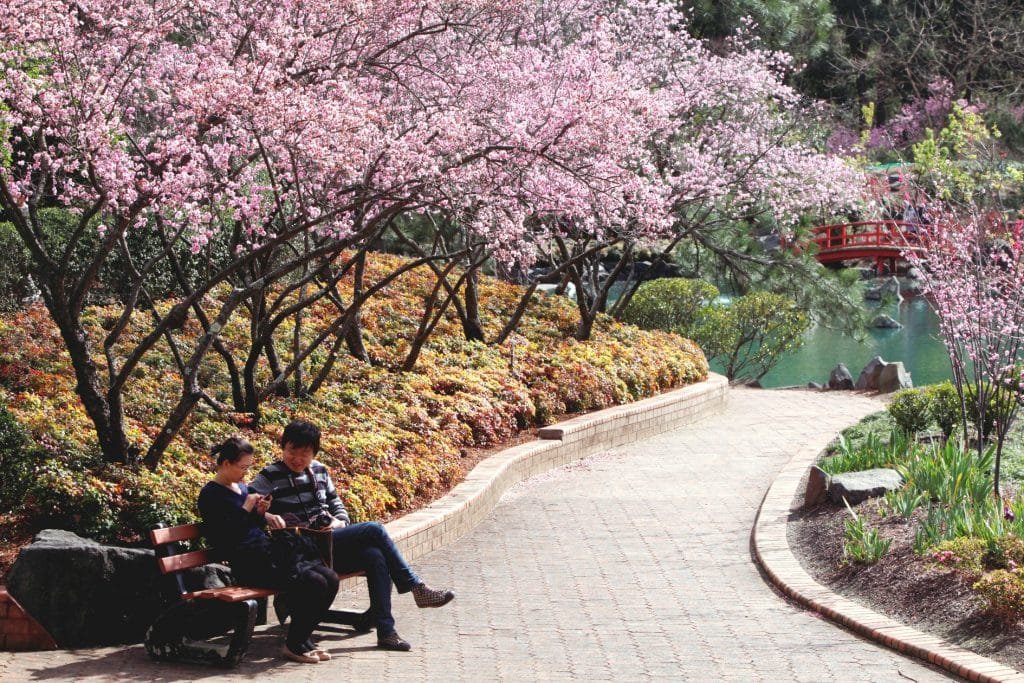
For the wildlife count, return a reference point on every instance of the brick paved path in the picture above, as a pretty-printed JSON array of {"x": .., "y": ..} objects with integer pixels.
[{"x": 628, "y": 566}]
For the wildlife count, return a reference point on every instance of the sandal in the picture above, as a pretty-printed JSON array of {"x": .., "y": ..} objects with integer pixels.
[{"x": 304, "y": 658}]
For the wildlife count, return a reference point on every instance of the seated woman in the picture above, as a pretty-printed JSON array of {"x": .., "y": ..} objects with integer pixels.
[{"x": 234, "y": 521}]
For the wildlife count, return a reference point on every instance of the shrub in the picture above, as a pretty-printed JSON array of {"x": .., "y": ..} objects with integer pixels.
[
  {"x": 965, "y": 555},
  {"x": 390, "y": 438},
  {"x": 748, "y": 337},
  {"x": 999, "y": 405},
  {"x": 1003, "y": 593},
  {"x": 17, "y": 455},
  {"x": 670, "y": 304},
  {"x": 911, "y": 410},
  {"x": 944, "y": 404}
]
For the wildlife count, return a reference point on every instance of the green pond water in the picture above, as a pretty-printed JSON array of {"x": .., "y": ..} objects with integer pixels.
[{"x": 917, "y": 345}]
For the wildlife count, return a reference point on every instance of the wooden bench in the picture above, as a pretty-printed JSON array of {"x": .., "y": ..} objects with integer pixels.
[{"x": 195, "y": 615}]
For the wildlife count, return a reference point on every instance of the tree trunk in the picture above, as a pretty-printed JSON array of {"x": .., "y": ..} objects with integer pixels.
[{"x": 472, "y": 326}]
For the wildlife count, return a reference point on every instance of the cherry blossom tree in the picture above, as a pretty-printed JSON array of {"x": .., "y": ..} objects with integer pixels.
[
  {"x": 970, "y": 260},
  {"x": 264, "y": 140}
]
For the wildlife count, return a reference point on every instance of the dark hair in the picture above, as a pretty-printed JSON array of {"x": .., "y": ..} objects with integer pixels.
[
  {"x": 300, "y": 433},
  {"x": 232, "y": 450}
]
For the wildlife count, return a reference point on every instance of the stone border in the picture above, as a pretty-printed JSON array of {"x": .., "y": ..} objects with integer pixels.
[
  {"x": 453, "y": 515},
  {"x": 772, "y": 551}
]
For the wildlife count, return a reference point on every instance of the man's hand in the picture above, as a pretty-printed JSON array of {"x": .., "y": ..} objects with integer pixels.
[
  {"x": 274, "y": 521},
  {"x": 336, "y": 523}
]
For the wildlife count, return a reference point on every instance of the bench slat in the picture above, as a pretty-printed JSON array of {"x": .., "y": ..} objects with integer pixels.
[
  {"x": 176, "y": 563},
  {"x": 185, "y": 532},
  {"x": 230, "y": 593}
]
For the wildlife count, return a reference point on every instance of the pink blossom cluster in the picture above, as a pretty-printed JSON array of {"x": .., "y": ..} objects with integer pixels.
[
  {"x": 972, "y": 269},
  {"x": 269, "y": 117}
]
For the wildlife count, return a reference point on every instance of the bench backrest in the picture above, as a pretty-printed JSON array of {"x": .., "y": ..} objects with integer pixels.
[{"x": 169, "y": 557}]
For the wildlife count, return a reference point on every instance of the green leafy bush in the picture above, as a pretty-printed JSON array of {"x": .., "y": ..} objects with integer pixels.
[
  {"x": 999, "y": 405},
  {"x": 748, "y": 337},
  {"x": 670, "y": 304},
  {"x": 17, "y": 455},
  {"x": 911, "y": 410},
  {"x": 964, "y": 554},
  {"x": 944, "y": 405}
]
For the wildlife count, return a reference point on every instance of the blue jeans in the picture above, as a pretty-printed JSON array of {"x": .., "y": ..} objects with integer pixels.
[{"x": 368, "y": 547}]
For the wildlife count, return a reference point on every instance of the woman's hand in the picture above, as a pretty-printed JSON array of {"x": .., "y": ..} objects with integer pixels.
[
  {"x": 263, "y": 504},
  {"x": 251, "y": 501}
]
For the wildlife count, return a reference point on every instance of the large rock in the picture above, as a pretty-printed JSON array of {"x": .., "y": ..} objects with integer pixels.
[
  {"x": 817, "y": 486},
  {"x": 893, "y": 377},
  {"x": 885, "y": 322},
  {"x": 840, "y": 378},
  {"x": 889, "y": 287},
  {"x": 84, "y": 593},
  {"x": 857, "y": 487},
  {"x": 868, "y": 379}
]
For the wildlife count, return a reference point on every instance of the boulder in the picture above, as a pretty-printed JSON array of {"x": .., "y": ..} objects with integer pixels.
[
  {"x": 840, "y": 378},
  {"x": 868, "y": 379},
  {"x": 570, "y": 290},
  {"x": 889, "y": 287},
  {"x": 893, "y": 377},
  {"x": 85, "y": 594},
  {"x": 856, "y": 487},
  {"x": 884, "y": 322},
  {"x": 817, "y": 487}
]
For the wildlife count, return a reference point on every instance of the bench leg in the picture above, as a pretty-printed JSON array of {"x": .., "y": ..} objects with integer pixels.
[
  {"x": 180, "y": 633},
  {"x": 360, "y": 621}
]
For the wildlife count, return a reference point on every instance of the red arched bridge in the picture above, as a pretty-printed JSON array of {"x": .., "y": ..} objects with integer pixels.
[{"x": 880, "y": 241}]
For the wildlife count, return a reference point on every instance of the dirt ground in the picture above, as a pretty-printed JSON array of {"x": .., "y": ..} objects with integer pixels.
[{"x": 902, "y": 585}]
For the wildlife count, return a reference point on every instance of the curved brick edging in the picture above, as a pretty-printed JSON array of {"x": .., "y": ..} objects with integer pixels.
[
  {"x": 448, "y": 518},
  {"x": 772, "y": 551}
]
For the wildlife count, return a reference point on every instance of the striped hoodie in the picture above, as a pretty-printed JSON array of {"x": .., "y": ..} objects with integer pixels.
[{"x": 300, "y": 494}]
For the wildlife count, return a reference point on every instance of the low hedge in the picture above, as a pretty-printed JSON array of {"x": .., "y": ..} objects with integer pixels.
[{"x": 391, "y": 438}]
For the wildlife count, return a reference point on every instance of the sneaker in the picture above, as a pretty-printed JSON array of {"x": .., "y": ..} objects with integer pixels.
[
  {"x": 304, "y": 658},
  {"x": 393, "y": 641},
  {"x": 425, "y": 596}
]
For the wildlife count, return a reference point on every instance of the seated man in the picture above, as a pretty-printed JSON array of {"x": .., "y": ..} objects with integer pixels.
[{"x": 302, "y": 492}]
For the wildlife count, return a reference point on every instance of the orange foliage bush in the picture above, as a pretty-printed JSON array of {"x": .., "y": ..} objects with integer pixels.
[{"x": 389, "y": 436}]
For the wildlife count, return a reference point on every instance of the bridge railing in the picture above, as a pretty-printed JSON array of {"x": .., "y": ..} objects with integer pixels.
[{"x": 867, "y": 234}]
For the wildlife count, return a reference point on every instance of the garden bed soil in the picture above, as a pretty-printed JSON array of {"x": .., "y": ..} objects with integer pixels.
[{"x": 902, "y": 586}]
